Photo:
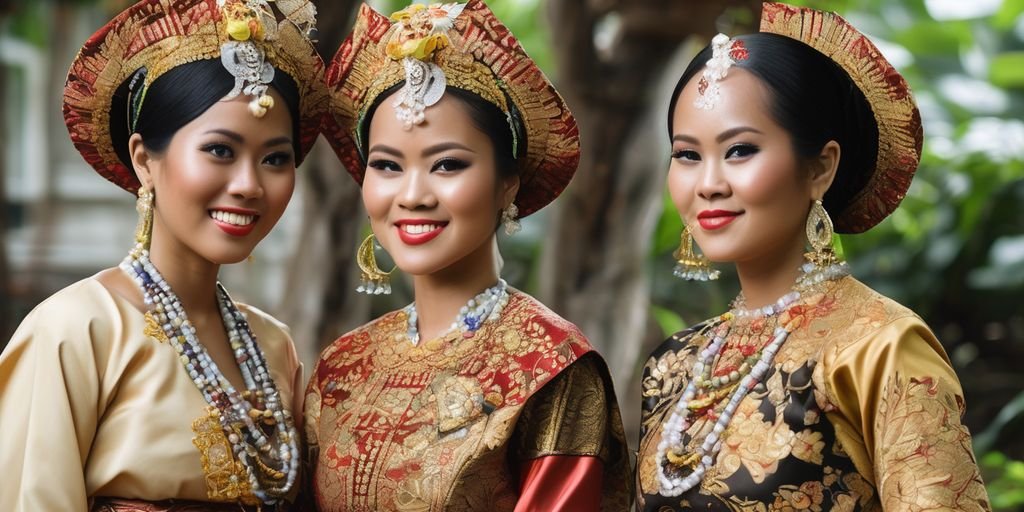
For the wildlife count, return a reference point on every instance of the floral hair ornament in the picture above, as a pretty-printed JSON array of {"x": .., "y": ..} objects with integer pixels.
[
  {"x": 724, "y": 53},
  {"x": 420, "y": 30},
  {"x": 251, "y": 38},
  {"x": 463, "y": 46}
]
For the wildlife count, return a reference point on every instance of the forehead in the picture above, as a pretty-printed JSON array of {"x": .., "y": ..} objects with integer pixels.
[
  {"x": 233, "y": 114},
  {"x": 744, "y": 101},
  {"x": 447, "y": 120}
]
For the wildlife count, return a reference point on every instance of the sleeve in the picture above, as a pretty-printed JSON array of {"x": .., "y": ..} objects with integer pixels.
[
  {"x": 897, "y": 392},
  {"x": 569, "y": 446},
  {"x": 311, "y": 453},
  {"x": 50, "y": 402}
]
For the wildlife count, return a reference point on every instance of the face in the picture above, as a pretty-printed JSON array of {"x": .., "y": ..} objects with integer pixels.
[
  {"x": 223, "y": 182},
  {"x": 433, "y": 193},
  {"x": 735, "y": 177}
]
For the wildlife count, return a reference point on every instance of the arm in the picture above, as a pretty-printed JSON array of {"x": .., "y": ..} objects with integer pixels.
[
  {"x": 897, "y": 389},
  {"x": 568, "y": 441},
  {"x": 49, "y": 405}
]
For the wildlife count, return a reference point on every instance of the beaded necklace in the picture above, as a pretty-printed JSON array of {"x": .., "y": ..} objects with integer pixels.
[
  {"x": 704, "y": 391},
  {"x": 486, "y": 306},
  {"x": 271, "y": 459}
]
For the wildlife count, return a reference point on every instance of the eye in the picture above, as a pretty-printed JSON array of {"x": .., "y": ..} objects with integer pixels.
[
  {"x": 686, "y": 155},
  {"x": 218, "y": 150},
  {"x": 278, "y": 159},
  {"x": 384, "y": 165},
  {"x": 449, "y": 165},
  {"x": 741, "y": 151}
]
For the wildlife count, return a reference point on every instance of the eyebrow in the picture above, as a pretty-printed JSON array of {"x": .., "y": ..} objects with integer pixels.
[
  {"x": 240, "y": 140},
  {"x": 432, "y": 150},
  {"x": 726, "y": 135}
]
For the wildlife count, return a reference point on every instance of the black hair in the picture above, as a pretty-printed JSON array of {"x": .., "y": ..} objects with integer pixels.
[
  {"x": 486, "y": 117},
  {"x": 815, "y": 101},
  {"x": 176, "y": 98}
]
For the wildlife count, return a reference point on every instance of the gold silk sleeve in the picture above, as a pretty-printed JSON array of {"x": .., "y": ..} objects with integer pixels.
[
  {"x": 897, "y": 404},
  {"x": 570, "y": 415}
]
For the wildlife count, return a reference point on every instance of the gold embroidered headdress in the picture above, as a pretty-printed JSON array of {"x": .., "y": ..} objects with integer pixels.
[
  {"x": 431, "y": 47},
  {"x": 899, "y": 122},
  {"x": 250, "y": 37}
]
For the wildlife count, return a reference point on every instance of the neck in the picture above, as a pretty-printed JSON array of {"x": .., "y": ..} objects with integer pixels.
[
  {"x": 440, "y": 295},
  {"x": 191, "y": 277},
  {"x": 765, "y": 279}
]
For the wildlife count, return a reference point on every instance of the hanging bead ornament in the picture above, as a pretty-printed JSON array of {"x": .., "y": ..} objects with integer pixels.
[
  {"x": 690, "y": 265},
  {"x": 678, "y": 470},
  {"x": 257, "y": 425},
  {"x": 485, "y": 307},
  {"x": 510, "y": 219}
]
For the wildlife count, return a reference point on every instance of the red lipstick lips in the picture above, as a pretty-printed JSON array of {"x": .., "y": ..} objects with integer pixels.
[
  {"x": 229, "y": 219},
  {"x": 419, "y": 231},
  {"x": 716, "y": 219}
]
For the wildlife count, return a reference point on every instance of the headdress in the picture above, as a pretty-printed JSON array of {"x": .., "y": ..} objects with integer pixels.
[
  {"x": 250, "y": 37},
  {"x": 899, "y": 122},
  {"x": 451, "y": 45}
]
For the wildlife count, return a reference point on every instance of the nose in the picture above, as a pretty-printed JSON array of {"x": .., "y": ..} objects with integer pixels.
[
  {"x": 712, "y": 183},
  {"x": 416, "y": 192},
  {"x": 245, "y": 181}
]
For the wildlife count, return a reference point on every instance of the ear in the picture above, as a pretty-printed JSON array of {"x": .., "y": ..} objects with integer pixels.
[
  {"x": 509, "y": 190},
  {"x": 142, "y": 160},
  {"x": 824, "y": 172}
]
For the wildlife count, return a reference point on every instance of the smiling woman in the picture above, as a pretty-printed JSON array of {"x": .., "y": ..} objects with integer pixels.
[
  {"x": 145, "y": 387},
  {"x": 475, "y": 396}
]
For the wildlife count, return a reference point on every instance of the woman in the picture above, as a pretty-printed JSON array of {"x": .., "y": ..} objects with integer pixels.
[
  {"x": 451, "y": 131},
  {"x": 145, "y": 387},
  {"x": 813, "y": 392}
]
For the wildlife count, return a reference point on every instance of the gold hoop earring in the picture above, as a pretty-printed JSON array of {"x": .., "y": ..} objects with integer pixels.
[
  {"x": 374, "y": 280},
  {"x": 690, "y": 265},
  {"x": 144, "y": 229},
  {"x": 509, "y": 218},
  {"x": 819, "y": 231}
]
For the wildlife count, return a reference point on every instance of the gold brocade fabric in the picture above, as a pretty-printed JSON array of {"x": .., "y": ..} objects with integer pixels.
[
  {"x": 860, "y": 411},
  {"x": 90, "y": 406},
  {"x": 449, "y": 424}
]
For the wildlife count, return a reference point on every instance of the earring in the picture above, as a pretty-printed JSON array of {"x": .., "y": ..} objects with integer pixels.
[
  {"x": 375, "y": 281},
  {"x": 819, "y": 232},
  {"x": 509, "y": 219},
  {"x": 690, "y": 265},
  {"x": 144, "y": 229}
]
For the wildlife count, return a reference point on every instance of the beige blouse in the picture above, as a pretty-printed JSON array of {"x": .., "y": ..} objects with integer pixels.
[{"x": 91, "y": 406}]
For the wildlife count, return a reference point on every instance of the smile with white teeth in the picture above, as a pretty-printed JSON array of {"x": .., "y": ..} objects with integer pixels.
[
  {"x": 235, "y": 219},
  {"x": 419, "y": 229}
]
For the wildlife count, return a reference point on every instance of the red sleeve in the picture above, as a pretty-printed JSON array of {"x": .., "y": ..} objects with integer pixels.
[{"x": 561, "y": 483}]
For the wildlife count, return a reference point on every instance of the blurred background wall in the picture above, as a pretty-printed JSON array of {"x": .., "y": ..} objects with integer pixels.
[{"x": 601, "y": 255}]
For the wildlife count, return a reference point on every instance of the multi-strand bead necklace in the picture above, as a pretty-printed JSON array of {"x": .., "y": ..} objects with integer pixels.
[
  {"x": 704, "y": 391},
  {"x": 486, "y": 306},
  {"x": 260, "y": 430}
]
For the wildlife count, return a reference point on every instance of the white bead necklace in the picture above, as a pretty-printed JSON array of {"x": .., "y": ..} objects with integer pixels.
[
  {"x": 485, "y": 307},
  {"x": 271, "y": 461},
  {"x": 671, "y": 447}
]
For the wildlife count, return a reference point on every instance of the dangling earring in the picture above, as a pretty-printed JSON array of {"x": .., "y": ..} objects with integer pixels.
[
  {"x": 144, "y": 229},
  {"x": 509, "y": 219},
  {"x": 819, "y": 232},
  {"x": 375, "y": 280},
  {"x": 690, "y": 265}
]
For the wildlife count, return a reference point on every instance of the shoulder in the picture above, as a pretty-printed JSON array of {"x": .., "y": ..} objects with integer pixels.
[
  {"x": 678, "y": 343},
  {"x": 356, "y": 343},
  {"x": 541, "y": 327},
  {"x": 272, "y": 335},
  {"x": 84, "y": 308}
]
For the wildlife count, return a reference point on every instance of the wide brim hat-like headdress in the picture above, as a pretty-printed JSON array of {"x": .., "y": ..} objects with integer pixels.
[
  {"x": 451, "y": 45},
  {"x": 900, "y": 134},
  {"x": 250, "y": 37}
]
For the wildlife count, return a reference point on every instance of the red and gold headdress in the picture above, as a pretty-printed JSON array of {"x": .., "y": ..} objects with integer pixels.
[
  {"x": 452, "y": 45},
  {"x": 159, "y": 35},
  {"x": 899, "y": 122}
]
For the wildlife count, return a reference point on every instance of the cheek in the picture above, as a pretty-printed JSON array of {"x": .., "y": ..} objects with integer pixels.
[
  {"x": 377, "y": 197},
  {"x": 681, "y": 183},
  {"x": 279, "y": 188}
]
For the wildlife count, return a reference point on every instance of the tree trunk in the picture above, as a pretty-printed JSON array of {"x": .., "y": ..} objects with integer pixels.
[
  {"x": 5, "y": 288},
  {"x": 318, "y": 303},
  {"x": 595, "y": 260}
]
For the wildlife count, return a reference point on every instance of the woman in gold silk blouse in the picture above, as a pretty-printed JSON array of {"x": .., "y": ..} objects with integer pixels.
[
  {"x": 813, "y": 392},
  {"x": 145, "y": 387},
  {"x": 475, "y": 396}
]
